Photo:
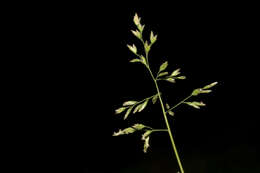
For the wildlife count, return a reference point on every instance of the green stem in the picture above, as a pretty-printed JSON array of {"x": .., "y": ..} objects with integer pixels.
[
  {"x": 166, "y": 120},
  {"x": 160, "y": 130},
  {"x": 179, "y": 103},
  {"x": 163, "y": 110}
]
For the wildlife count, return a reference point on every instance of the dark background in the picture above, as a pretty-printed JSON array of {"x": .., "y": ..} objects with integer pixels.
[{"x": 79, "y": 73}]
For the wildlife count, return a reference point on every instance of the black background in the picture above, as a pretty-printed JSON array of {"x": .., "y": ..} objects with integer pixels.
[{"x": 79, "y": 73}]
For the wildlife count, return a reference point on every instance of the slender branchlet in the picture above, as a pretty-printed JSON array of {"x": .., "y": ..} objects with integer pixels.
[{"x": 134, "y": 106}]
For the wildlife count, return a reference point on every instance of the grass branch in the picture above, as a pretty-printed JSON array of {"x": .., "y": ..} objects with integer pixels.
[
  {"x": 166, "y": 120},
  {"x": 178, "y": 104}
]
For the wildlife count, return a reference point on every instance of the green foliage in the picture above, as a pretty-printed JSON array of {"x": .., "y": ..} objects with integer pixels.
[
  {"x": 204, "y": 90},
  {"x": 134, "y": 128},
  {"x": 128, "y": 112},
  {"x": 155, "y": 98},
  {"x": 141, "y": 59},
  {"x": 171, "y": 113},
  {"x": 163, "y": 66},
  {"x": 129, "y": 103},
  {"x": 162, "y": 75},
  {"x": 120, "y": 110},
  {"x": 137, "y": 34},
  {"x": 137, "y": 127},
  {"x": 128, "y": 106},
  {"x": 132, "y": 48},
  {"x": 146, "y": 138},
  {"x": 147, "y": 47},
  {"x": 137, "y": 21},
  {"x": 210, "y": 85},
  {"x": 142, "y": 106},
  {"x": 168, "y": 110},
  {"x": 134, "y": 106},
  {"x": 153, "y": 38},
  {"x": 175, "y": 72},
  {"x": 195, "y": 104}
]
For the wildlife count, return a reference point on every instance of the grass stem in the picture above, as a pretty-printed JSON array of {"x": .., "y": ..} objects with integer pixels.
[{"x": 166, "y": 119}]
